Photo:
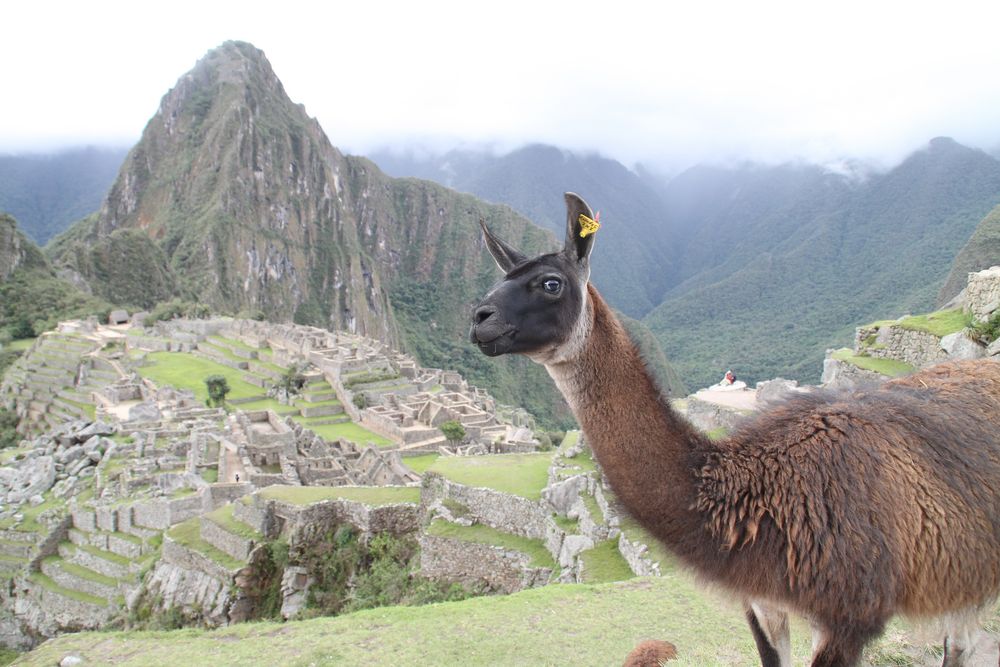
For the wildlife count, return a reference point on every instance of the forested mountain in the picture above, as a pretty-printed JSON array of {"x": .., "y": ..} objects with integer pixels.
[
  {"x": 753, "y": 267},
  {"x": 32, "y": 297},
  {"x": 47, "y": 192},
  {"x": 636, "y": 261},
  {"x": 981, "y": 252},
  {"x": 793, "y": 258},
  {"x": 235, "y": 198}
]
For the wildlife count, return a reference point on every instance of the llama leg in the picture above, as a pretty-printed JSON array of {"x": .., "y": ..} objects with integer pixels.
[
  {"x": 841, "y": 647},
  {"x": 770, "y": 633},
  {"x": 957, "y": 647}
]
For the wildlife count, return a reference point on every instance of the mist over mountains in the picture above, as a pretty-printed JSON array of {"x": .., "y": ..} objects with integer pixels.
[
  {"x": 752, "y": 267},
  {"x": 235, "y": 198}
]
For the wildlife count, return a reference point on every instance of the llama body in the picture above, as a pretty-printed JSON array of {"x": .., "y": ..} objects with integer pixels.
[{"x": 846, "y": 509}]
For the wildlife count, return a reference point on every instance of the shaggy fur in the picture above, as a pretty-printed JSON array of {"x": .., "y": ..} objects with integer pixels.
[
  {"x": 650, "y": 653},
  {"x": 844, "y": 508}
]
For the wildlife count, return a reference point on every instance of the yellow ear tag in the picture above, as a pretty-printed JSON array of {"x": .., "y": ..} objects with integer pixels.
[{"x": 588, "y": 226}]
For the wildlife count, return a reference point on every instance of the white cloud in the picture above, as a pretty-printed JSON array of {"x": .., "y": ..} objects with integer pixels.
[{"x": 665, "y": 84}]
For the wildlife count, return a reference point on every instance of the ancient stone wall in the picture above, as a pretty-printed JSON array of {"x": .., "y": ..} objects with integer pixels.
[
  {"x": 479, "y": 566},
  {"x": 982, "y": 294},
  {"x": 505, "y": 512}
]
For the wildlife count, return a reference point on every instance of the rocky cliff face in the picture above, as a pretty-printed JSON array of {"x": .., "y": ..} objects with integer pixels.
[
  {"x": 235, "y": 198},
  {"x": 16, "y": 251}
]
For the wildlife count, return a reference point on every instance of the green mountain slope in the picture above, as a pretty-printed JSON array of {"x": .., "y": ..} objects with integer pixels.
[
  {"x": 635, "y": 262},
  {"x": 981, "y": 252},
  {"x": 796, "y": 272},
  {"x": 47, "y": 192},
  {"x": 235, "y": 198},
  {"x": 32, "y": 297}
]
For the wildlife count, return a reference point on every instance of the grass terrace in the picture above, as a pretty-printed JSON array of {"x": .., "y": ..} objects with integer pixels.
[
  {"x": 20, "y": 344},
  {"x": 604, "y": 563},
  {"x": 889, "y": 367},
  {"x": 480, "y": 534},
  {"x": 46, "y": 582},
  {"x": 31, "y": 513},
  {"x": 940, "y": 323},
  {"x": 420, "y": 463},
  {"x": 186, "y": 371},
  {"x": 370, "y": 495},
  {"x": 224, "y": 517},
  {"x": 188, "y": 534},
  {"x": 346, "y": 431},
  {"x": 523, "y": 475}
]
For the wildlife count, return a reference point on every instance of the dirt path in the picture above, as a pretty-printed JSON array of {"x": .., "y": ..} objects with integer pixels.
[{"x": 234, "y": 466}]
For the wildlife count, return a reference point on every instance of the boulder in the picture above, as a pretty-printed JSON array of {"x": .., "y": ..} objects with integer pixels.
[
  {"x": 70, "y": 455},
  {"x": 959, "y": 346},
  {"x": 994, "y": 348},
  {"x": 97, "y": 428},
  {"x": 561, "y": 496},
  {"x": 571, "y": 548}
]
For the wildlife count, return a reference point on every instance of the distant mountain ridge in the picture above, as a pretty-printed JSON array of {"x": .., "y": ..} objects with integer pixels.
[
  {"x": 235, "y": 198},
  {"x": 47, "y": 192},
  {"x": 754, "y": 267}
]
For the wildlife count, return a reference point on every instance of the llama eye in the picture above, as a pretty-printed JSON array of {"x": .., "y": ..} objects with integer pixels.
[{"x": 552, "y": 286}]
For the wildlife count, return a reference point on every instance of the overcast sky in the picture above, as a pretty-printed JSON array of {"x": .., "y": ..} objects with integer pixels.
[{"x": 663, "y": 83}]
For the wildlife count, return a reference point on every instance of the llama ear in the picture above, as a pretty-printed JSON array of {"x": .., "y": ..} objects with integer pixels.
[
  {"x": 579, "y": 240},
  {"x": 505, "y": 256}
]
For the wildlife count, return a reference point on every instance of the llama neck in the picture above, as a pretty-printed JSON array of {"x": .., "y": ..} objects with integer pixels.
[{"x": 649, "y": 453}]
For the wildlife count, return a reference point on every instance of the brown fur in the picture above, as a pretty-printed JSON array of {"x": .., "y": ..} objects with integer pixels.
[
  {"x": 846, "y": 509},
  {"x": 650, "y": 653}
]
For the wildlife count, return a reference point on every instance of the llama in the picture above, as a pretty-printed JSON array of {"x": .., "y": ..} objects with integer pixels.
[{"x": 846, "y": 509}]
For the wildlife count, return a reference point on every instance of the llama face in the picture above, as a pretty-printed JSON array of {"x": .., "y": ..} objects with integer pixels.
[{"x": 536, "y": 309}]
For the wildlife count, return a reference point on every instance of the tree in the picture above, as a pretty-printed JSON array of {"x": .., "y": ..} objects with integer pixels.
[
  {"x": 453, "y": 430},
  {"x": 9, "y": 436},
  {"x": 218, "y": 387}
]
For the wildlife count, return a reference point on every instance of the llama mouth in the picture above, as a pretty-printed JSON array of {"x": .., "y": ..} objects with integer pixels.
[{"x": 494, "y": 344}]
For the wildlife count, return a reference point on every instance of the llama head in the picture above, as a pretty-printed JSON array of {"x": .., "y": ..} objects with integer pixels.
[{"x": 538, "y": 308}]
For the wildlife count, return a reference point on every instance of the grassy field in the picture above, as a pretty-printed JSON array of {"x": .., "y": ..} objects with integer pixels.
[
  {"x": 186, "y": 371},
  {"x": 521, "y": 474},
  {"x": 419, "y": 464},
  {"x": 890, "y": 367},
  {"x": 941, "y": 323},
  {"x": 371, "y": 495},
  {"x": 347, "y": 431},
  {"x": 576, "y": 624},
  {"x": 604, "y": 563}
]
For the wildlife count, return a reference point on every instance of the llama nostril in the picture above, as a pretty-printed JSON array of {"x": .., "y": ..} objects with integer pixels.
[{"x": 484, "y": 313}]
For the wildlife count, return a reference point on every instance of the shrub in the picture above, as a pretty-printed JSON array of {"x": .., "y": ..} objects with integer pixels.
[
  {"x": 217, "y": 387},
  {"x": 453, "y": 430}
]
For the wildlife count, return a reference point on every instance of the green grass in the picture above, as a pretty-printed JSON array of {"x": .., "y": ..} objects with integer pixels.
[
  {"x": 571, "y": 526},
  {"x": 941, "y": 323},
  {"x": 480, "y": 534},
  {"x": 88, "y": 408},
  {"x": 20, "y": 344},
  {"x": 656, "y": 551},
  {"x": 30, "y": 523},
  {"x": 572, "y": 437},
  {"x": 186, "y": 371},
  {"x": 595, "y": 624},
  {"x": 265, "y": 404},
  {"x": 419, "y": 464},
  {"x": 593, "y": 508},
  {"x": 232, "y": 342},
  {"x": 106, "y": 555},
  {"x": 889, "y": 367},
  {"x": 717, "y": 433},
  {"x": 370, "y": 495},
  {"x": 79, "y": 596},
  {"x": 210, "y": 475},
  {"x": 224, "y": 517},
  {"x": 81, "y": 572},
  {"x": 188, "y": 534},
  {"x": 7, "y": 656},
  {"x": 524, "y": 475},
  {"x": 605, "y": 563},
  {"x": 347, "y": 431}
]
